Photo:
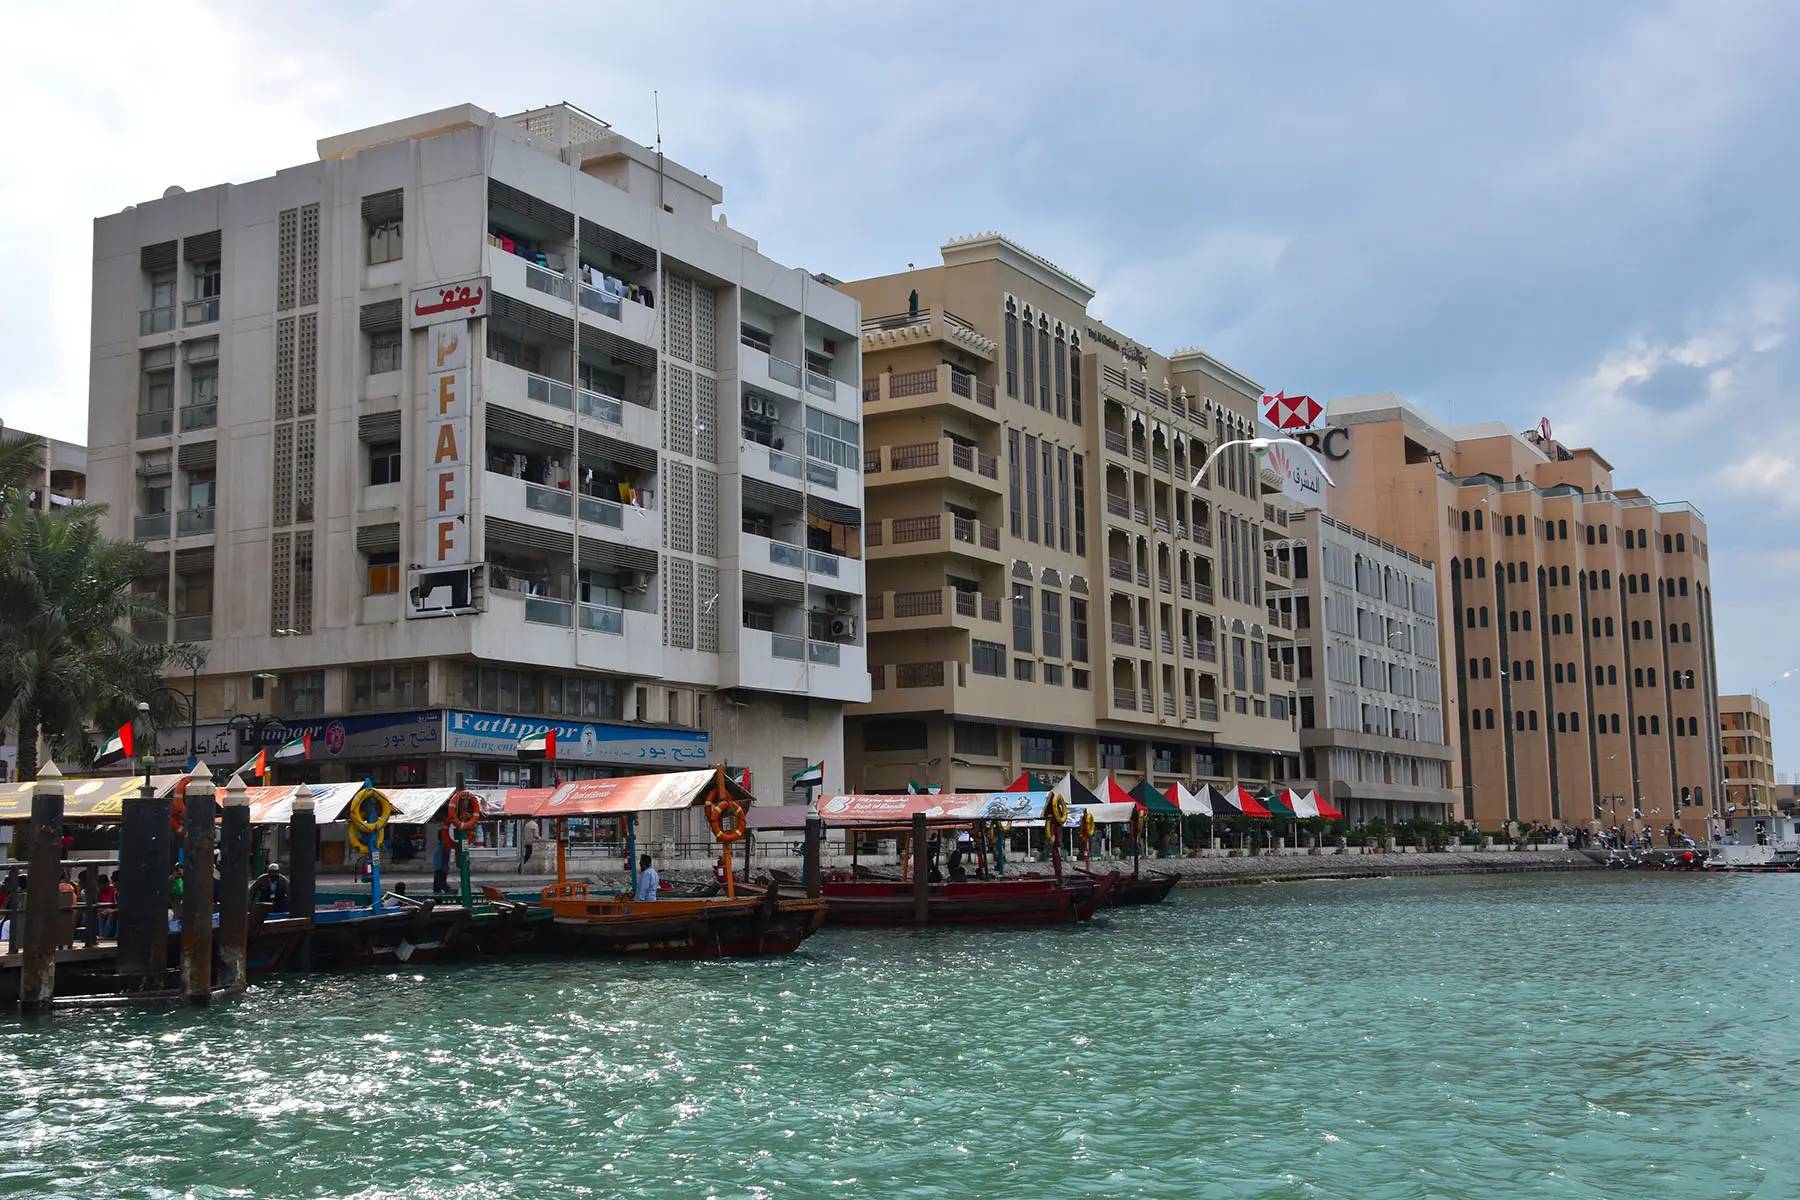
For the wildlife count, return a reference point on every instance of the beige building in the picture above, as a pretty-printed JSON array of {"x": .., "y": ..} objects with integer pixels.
[
  {"x": 1749, "y": 752},
  {"x": 1047, "y": 590},
  {"x": 1578, "y": 635},
  {"x": 61, "y": 475},
  {"x": 477, "y": 425}
]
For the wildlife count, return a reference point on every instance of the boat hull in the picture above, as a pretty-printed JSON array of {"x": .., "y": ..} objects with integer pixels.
[
  {"x": 684, "y": 928},
  {"x": 996, "y": 902}
]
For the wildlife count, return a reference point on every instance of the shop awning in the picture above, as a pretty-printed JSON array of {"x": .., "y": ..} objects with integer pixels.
[
  {"x": 275, "y": 805},
  {"x": 947, "y": 806},
  {"x": 627, "y": 794},
  {"x": 83, "y": 799}
]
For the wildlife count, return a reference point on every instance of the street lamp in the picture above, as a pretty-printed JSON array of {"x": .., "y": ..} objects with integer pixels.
[{"x": 250, "y": 727}]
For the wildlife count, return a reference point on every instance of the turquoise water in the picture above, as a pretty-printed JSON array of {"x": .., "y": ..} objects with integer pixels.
[{"x": 1604, "y": 1035}]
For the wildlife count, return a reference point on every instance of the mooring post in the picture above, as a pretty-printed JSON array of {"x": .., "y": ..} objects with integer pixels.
[
  {"x": 234, "y": 885},
  {"x": 303, "y": 889},
  {"x": 144, "y": 887},
  {"x": 815, "y": 837},
  {"x": 921, "y": 872},
  {"x": 43, "y": 912},
  {"x": 197, "y": 888}
]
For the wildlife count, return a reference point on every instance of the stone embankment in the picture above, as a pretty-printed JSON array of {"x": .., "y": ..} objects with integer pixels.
[{"x": 1210, "y": 871}]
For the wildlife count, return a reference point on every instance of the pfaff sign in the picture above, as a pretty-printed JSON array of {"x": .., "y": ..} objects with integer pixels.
[{"x": 446, "y": 449}]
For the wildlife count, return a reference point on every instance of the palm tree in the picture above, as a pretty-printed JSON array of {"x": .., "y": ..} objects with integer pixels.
[{"x": 68, "y": 658}]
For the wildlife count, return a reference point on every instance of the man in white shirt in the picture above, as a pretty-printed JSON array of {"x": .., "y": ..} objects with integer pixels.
[
  {"x": 529, "y": 836},
  {"x": 648, "y": 879}
]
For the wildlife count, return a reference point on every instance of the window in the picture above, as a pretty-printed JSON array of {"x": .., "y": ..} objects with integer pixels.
[
  {"x": 1118, "y": 756},
  {"x": 987, "y": 658},
  {"x": 1465, "y": 522},
  {"x": 1050, "y": 496},
  {"x": 1474, "y": 670},
  {"x": 1562, "y": 530},
  {"x": 1615, "y": 722},
  {"x": 1556, "y": 673},
  {"x": 1606, "y": 580},
  {"x": 1041, "y": 748},
  {"x": 303, "y": 693},
  {"x": 1043, "y": 367},
  {"x": 1023, "y": 669},
  {"x": 1014, "y": 480},
  {"x": 1668, "y": 544},
  {"x": 1509, "y": 527},
  {"x": 832, "y": 439},
  {"x": 1631, "y": 584},
  {"x": 1481, "y": 568},
  {"x": 1052, "y": 625},
  {"x": 384, "y": 351},
  {"x": 1603, "y": 535},
  {"x": 1062, "y": 377},
  {"x": 1531, "y": 720},
  {"x": 1478, "y": 520},
  {"x": 1238, "y": 680},
  {"x": 1650, "y": 676},
  {"x": 1681, "y": 543},
  {"x": 1530, "y": 669},
  {"x": 1596, "y": 621},
  {"x": 1012, "y": 353},
  {"x": 1518, "y": 671},
  {"x": 1029, "y": 361},
  {"x": 1562, "y": 722},
  {"x": 1565, "y": 575},
  {"x": 388, "y": 685},
  {"x": 1021, "y": 601},
  {"x": 1031, "y": 486},
  {"x": 1609, "y": 627},
  {"x": 1078, "y": 630},
  {"x": 1490, "y": 718},
  {"x": 1513, "y": 621},
  {"x": 1484, "y": 616},
  {"x": 1469, "y": 622},
  {"x": 1062, "y": 510},
  {"x": 1687, "y": 632},
  {"x": 384, "y": 572},
  {"x": 1643, "y": 725},
  {"x": 896, "y": 733},
  {"x": 384, "y": 242},
  {"x": 1518, "y": 721},
  {"x": 384, "y": 463},
  {"x": 1074, "y": 380},
  {"x": 1634, "y": 631},
  {"x": 1510, "y": 576},
  {"x": 1574, "y": 722},
  {"x": 1487, "y": 668},
  {"x": 1555, "y": 624},
  {"x": 1644, "y": 582},
  {"x": 1612, "y": 675},
  {"x": 1080, "y": 507},
  {"x": 1655, "y": 724},
  {"x": 1053, "y": 674},
  {"x": 1637, "y": 677},
  {"x": 1590, "y": 535},
  {"x": 1683, "y": 582}
]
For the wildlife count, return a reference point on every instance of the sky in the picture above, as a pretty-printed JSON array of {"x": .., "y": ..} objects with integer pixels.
[{"x": 1503, "y": 212}]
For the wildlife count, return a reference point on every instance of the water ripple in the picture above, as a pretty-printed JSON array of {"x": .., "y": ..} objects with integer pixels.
[{"x": 1587, "y": 1036}]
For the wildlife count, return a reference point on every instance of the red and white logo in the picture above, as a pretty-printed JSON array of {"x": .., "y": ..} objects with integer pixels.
[{"x": 1291, "y": 412}]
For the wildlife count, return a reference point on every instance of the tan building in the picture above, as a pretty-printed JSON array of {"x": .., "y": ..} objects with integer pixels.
[
  {"x": 1578, "y": 632},
  {"x": 1749, "y": 752},
  {"x": 61, "y": 475},
  {"x": 1046, "y": 591}
]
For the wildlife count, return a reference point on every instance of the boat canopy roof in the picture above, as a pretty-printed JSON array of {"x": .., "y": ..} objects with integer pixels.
[
  {"x": 626, "y": 794},
  {"x": 938, "y": 809},
  {"x": 83, "y": 799}
]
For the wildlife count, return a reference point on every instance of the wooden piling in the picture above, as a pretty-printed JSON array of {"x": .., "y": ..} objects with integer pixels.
[
  {"x": 199, "y": 837},
  {"x": 921, "y": 872},
  {"x": 815, "y": 837},
  {"x": 43, "y": 913},
  {"x": 303, "y": 871},
  {"x": 144, "y": 889},
  {"x": 234, "y": 885}
]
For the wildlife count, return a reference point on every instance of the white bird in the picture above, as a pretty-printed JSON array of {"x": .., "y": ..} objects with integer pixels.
[{"x": 1260, "y": 448}]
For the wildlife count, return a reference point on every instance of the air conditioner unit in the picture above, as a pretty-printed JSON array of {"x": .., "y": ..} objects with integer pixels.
[
  {"x": 754, "y": 404},
  {"x": 843, "y": 627},
  {"x": 771, "y": 410},
  {"x": 838, "y": 604},
  {"x": 637, "y": 581}
]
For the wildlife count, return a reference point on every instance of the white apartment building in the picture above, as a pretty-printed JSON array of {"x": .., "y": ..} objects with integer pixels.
[
  {"x": 478, "y": 425},
  {"x": 1371, "y": 685}
]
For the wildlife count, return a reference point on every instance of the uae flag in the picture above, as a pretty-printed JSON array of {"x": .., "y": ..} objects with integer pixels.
[
  {"x": 117, "y": 749},
  {"x": 300, "y": 747},
  {"x": 541, "y": 744},
  {"x": 812, "y": 777},
  {"x": 915, "y": 788},
  {"x": 257, "y": 767}
]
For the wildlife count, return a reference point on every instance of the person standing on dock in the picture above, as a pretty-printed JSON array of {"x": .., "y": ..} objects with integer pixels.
[
  {"x": 440, "y": 866},
  {"x": 271, "y": 889},
  {"x": 529, "y": 836},
  {"x": 648, "y": 879}
]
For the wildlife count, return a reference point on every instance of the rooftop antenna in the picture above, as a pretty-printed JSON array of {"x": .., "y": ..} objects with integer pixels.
[{"x": 656, "y": 101}]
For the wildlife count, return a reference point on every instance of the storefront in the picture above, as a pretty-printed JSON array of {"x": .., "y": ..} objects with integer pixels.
[{"x": 400, "y": 749}]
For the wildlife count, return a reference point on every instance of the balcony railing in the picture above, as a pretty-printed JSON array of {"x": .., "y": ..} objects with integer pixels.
[
  {"x": 1159, "y": 460},
  {"x": 1168, "y": 705},
  {"x": 820, "y": 563},
  {"x": 918, "y": 675},
  {"x": 1168, "y": 642},
  {"x": 1118, "y": 506},
  {"x": 1122, "y": 633},
  {"x": 824, "y": 653},
  {"x": 150, "y": 526},
  {"x": 1140, "y": 452},
  {"x": 195, "y": 520},
  {"x": 596, "y": 511},
  {"x": 597, "y": 301},
  {"x": 1191, "y": 708},
  {"x": 919, "y": 604},
  {"x": 1202, "y": 534},
  {"x": 1146, "y": 702},
  {"x": 1115, "y": 441},
  {"x": 916, "y": 529},
  {"x": 821, "y": 385},
  {"x": 783, "y": 463},
  {"x": 823, "y": 474},
  {"x": 1209, "y": 710},
  {"x": 1144, "y": 638},
  {"x": 194, "y": 627},
  {"x": 540, "y": 610},
  {"x": 601, "y": 618},
  {"x": 549, "y": 391},
  {"x": 914, "y": 457},
  {"x": 1206, "y": 651},
  {"x": 785, "y": 555},
  {"x": 785, "y": 645},
  {"x": 990, "y": 538},
  {"x": 1119, "y": 568},
  {"x": 1163, "y": 585},
  {"x": 548, "y": 282},
  {"x": 1161, "y": 523},
  {"x": 872, "y": 460},
  {"x": 1141, "y": 515},
  {"x": 783, "y": 371},
  {"x": 156, "y": 320},
  {"x": 984, "y": 394},
  {"x": 155, "y": 424},
  {"x": 912, "y": 383},
  {"x": 1203, "y": 592},
  {"x": 199, "y": 416},
  {"x": 1143, "y": 577},
  {"x": 554, "y": 502},
  {"x": 200, "y": 312},
  {"x": 1125, "y": 697},
  {"x": 607, "y": 408}
]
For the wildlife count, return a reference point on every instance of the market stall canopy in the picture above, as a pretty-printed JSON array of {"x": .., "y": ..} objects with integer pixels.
[
  {"x": 627, "y": 794},
  {"x": 1304, "y": 805},
  {"x": 83, "y": 799},
  {"x": 1192, "y": 804},
  {"x": 1249, "y": 805},
  {"x": 1276, "y": 804},
  {"x": 946, "y": 806},
  {"x": 1326, "y": 808},
  {"x": 1075, "y": 793},
  {"x": 1109, "y": 792},
  {"x": 1153, "y": 801}
]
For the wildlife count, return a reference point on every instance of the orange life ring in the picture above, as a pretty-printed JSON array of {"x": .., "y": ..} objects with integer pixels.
[
  {"x": 727, "y": 820},
  {"x": 178, "y": 807},
  {"x": 462, "y": 811}
]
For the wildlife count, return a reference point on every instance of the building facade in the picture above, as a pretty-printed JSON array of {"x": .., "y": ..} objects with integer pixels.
[
  {"x": 60, "y": 477},
  {"x": 1748, "y": 750},
  {"x": 1371, "y": 688},
  {"x": 1048, "y": 590},
  {"x": 478, "y": 425},
  {"x": 1578, "y": 642}
]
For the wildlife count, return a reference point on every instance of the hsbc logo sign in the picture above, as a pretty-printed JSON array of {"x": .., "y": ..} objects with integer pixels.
[{"x": 1288, "y": 413}]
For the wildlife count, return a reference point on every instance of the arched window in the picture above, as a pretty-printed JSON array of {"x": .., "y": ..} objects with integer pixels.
[
  {"x": 1680, "y": 543},
  {"x": 1518, "y": 721},
  {"x": 1634, "y": 631},
  {"x": 1531, "y": 669},
  {"x": 1615, "y": 722},
  {"x": 1674, "y": 633},
  {"x": 1531, "y": 720},
  {"x": 1599, "y": 675},
  {"x": 1562, "y": 530},
  {"x": 1562, "y": 722},
  {"x": 1644, "y": 582},
  {"x": 1487, "y": 668},
  {"x": 1606, "y": 580},
  {"x": 1555, "y": 624},
  {"x": 1643, "y": 539},
  {"x": 1012, "y": 349},
  {"x": 1574, "y": 722},
  {"x": 1484, "y": 619},
  {"x": 1687, "y": 632},
  {"x": 1551, "y": 575},
  {"x": 1684, "y": 585},
  {"x": 1650, "y": 676},
  {"x": 1655, "y": 723},
  {"x": 1596, "y": 621},
  {"x": 1685, "y": 801},
  {"x": 1513, "y": 619},
  {"x": 1643, "y": 725},
  {"x": 1528, "y": 620},
  {"x": 1631, "y": 584},
  {"x": 1700, "y": 797},
  {"x": 1518, "y": 669},
  {"x": 1590, "y": 535},
  {"x": 1509, "y": 574},
  {"x": 1556, "y": 672},
  {"x": 1490, "y": 718},
  {"x": 1612, "y": 676},
  {"x": 1509, "y": 527},
  {"x": 1565, "y": 575},
  {"x": 1675, "y": 680},
  {"x": 1572, "y": 673},
  {"x": 1688, "y": 677},
  {"x": 1478, "y": 520},
  {"x": 1609, "y": 628},
  {"x": 1593, "y": 581},
  {"x": 1469, "y": 623},
  {"x": 1637, "y": 677},
  {"x": 1481, "y": 568},
  {"x": 1468, "y": 568},
  {"x": 1465, "y": 521},
  {"x": 1603, "y": 535},
  {"x": 1668, "y": 544},
  {"x": 1474, "y": 670}
]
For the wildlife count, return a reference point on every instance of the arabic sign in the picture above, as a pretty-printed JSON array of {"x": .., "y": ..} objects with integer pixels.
[
  {"x": 450, "y": 302},
  {"x": 603, "y": 797},
  {"x": 1300, "y": 478},
  {"x": 963, "y": 806},
  {"x": 577, "y": 741},
  {"x": 447, "y": 448},
  {"x": 376, "y": 736},
  {"x": 216, "y": 745}
]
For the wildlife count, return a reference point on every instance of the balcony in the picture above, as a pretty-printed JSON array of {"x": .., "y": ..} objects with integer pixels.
[
  {"x": 1141, "y": 515},
  {"x": 194, "y": 627},
  {"x": 200, "y": 312},
  {"x": 824, "y": 653},
  {"x": 1116, "y": 442},
  {"x": 150, "y": 527},
  {"x": 193, "y": 416},
  {"x": 634, "y": 524},
  {"x": 1202, "y": 534},
  {"x": 601, "y": 618},
  {"x": 784, "y": 662},
  {"x": 156, "y": 320},
  {"x": 1203, "y": 592},
  {"x": 526, "y": 503},
  {"x": 599, "y": 405},
  {"x": 770, "y": 464},
  {"x": 1125, "y": 698},
  {"x": 525, "y": 391},
  {"x": 936, "y": 534},
  {"x": 1122, "y": 634},
  {"x": 936, "y": 608},
  {"x": 541, "y": 610},
  {"x": 617, "y": 314},
  {"x": 1206, "y": 650},
  {"x": 552, "y": 502},
  {"x": 194, "y": 521},
  {"x": 155, "y": 424},
  {"x": 932, "y": 387},
  {"x": 1119, "y": 568},
  {"x": 1209, "y": 709},
  {"x": 787, "y": 646},
  {"x": 939, "y": 460},
  {"x": 1118, "y": 506}
]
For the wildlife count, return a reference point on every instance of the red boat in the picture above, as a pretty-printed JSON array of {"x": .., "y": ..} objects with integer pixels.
[{"x": 1030, "y": 901}]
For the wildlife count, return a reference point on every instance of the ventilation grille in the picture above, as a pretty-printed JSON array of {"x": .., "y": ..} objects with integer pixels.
[
  {"x": 598, "y": 445},
  {"x": 194, "y": 559},
  {"x": 380, "y": 316},
  {"x": 706, "y": 331},
  {"x": 678, "y": 317},
  {"x": 706, "y": 513},
  {"x": 529, "y": 316},
  {"x": 201, "y": 248},
  {"x": 282, "y": 480},
  {"x": 284, "y": 369},
  {"x": 309, "y": 254},
  {"x": 384, "y": 206},
  {"x": 770, "y": 495},
  {"x": 706, "y": 419},
  {"x": 678, "y": 410},
  {"x": 305, "y": 455},
  {"x": 598, "y": 344},
  {"x": 526, "y": 205},
  {"x": 281, "y": 581},
  {"x": 378, "y": 427},
  {"x": 766, "y": 589},
  {"x": 287, "y": 254},
  {"x": 157, "y": 258},
  {"x": 379, "y": 539},
  {"x": 531, "y": 537},
  {"x": 707, "y": 597},
  {"x": 678, "y": 506},
  {"x": 678, "y": 602},
  {"x": 617, "y": 556},
  {"x": 831, "y": 510},
  {"x": 529, "y": 428},
  {"x": 303, "y": 581},
  {"x": 306, "y": 392},
  {"x": 627, "y": 250},
  {"x": 198, "y": 456}
]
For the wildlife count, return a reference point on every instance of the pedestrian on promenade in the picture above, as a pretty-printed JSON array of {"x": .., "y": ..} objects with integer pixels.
[
  {"x": 440, "y": 873},
  {"x": 529, "y": 836},
  {"x": 109, "y": 905},
  {"x": 648, "y": 879}
]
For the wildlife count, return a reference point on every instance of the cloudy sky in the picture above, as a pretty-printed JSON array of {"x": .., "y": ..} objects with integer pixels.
[{"x": 1507, "y": 211}]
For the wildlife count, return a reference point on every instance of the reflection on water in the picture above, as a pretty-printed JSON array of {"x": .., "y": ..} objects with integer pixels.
[{"x": 1594, "y": 1035}]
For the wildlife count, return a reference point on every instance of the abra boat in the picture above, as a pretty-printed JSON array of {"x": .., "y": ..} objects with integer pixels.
[{"x": 1025, "y": 901}]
